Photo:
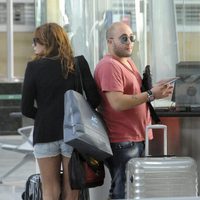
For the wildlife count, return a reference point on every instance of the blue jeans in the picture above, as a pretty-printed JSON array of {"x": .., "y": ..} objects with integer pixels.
[{"x": 122, "y": 153}]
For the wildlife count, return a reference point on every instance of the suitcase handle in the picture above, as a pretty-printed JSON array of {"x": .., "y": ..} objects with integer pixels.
[{"x": 156, "y": 126}]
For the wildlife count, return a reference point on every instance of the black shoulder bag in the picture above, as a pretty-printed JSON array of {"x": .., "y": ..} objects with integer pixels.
[{"x": 147, "y": 85}]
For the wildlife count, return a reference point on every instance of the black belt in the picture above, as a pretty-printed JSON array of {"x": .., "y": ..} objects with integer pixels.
[{"x": 121, "y": 145}]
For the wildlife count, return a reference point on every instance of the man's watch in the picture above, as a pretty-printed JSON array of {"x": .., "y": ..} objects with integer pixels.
[{"x": 150, "y": 96}]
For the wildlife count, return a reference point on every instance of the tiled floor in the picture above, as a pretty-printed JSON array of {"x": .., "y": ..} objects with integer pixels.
[{"x": 12, "y": 186}]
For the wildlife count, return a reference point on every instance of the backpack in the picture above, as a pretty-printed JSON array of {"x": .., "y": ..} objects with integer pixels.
[{"x": 33, "y": 189}]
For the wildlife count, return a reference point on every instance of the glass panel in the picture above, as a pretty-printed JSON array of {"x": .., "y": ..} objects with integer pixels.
[
  {"x": 23, "y": 25},
  {"x": 168, "y": 32},
  {"x": 23, "y": 51},
  {"x": 89, "y": 20},
  {"x": 40, "y": 12},
  {"x": 187, "y": 93},
  {"x": 175, "y": 49},
  {"x": 188, "y": 25}
]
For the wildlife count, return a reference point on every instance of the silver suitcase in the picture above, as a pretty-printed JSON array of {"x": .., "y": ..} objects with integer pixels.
[{"x": 165, "y": 176}]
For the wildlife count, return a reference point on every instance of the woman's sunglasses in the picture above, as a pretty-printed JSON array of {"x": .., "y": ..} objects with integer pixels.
[{"x": 35, "y": 41}]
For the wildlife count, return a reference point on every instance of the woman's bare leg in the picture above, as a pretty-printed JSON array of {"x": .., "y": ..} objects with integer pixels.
[
  {"x": 67, "y": 193},
  {"x": 50, "y": 176}
]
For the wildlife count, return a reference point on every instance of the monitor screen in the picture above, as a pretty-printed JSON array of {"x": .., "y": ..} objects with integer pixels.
[{"x": 187, "y": 88}]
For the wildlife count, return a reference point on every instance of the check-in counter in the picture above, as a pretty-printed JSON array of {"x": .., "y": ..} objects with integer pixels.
[
  {"x": 10, "y": 100},
  {"x": 183, "y": 135},
  {"x": 183, "y": 127}
]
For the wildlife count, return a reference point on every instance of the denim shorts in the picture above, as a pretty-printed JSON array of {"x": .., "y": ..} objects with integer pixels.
[{"x": 51, "y": 149}]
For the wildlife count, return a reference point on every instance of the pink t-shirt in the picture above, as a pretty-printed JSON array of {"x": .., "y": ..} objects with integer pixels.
[{"x": 127, "y": 125}]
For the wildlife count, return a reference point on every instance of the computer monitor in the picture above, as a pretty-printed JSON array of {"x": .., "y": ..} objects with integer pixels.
[{"x": 187, "y": 88}]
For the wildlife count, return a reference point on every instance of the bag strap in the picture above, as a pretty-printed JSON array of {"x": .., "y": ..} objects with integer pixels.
[
  {"x": 153, "y": 113},
  {"x": 79, "y": 77}
]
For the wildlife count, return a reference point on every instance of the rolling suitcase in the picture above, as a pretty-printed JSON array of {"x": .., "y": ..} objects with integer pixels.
[{"x": 167, "y": 176}]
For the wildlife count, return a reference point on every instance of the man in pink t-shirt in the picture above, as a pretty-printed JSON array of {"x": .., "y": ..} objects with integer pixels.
[{"x": 124, "y": 106}]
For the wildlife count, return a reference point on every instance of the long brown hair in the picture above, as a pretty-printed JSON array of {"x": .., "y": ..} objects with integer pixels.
[{"x": 57, "y": 45}]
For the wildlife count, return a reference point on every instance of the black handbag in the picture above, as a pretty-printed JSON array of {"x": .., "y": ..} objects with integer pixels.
[
  {"x": 85, "y": 172},
  {"x": 147, "y": 85},
  {"x": 84, "y": 129}
]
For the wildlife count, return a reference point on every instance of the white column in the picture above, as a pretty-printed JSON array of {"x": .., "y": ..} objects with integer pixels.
[{"x": 10, "y": 43}]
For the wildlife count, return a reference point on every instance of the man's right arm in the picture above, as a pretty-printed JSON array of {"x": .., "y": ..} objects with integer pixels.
[{"x": 120, "y": 101}]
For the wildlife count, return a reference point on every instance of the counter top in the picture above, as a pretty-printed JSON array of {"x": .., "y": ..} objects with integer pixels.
[{"x": 173, "y": 113}]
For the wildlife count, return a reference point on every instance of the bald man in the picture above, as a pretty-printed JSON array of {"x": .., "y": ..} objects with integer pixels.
[{"x": 124, "y": 106}]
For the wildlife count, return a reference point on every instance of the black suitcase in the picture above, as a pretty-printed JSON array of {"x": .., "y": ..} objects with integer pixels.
[{"x": 33, "y": 189}]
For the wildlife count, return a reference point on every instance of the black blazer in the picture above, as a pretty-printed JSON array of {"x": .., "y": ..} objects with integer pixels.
[{"x": 43, "y": 95}]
